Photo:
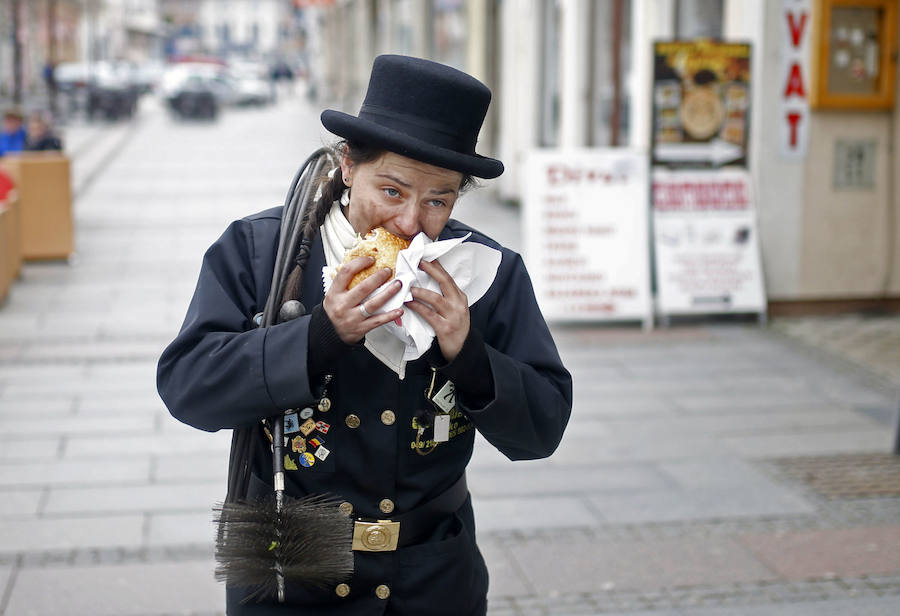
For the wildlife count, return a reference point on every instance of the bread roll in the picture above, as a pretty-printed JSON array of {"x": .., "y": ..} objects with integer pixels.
[{"x": 380, "y": 244}]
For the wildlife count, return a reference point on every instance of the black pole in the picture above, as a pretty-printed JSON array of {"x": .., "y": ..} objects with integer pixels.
[
  {"x": 15, "y": 9},
  {"x": 897, "y": 435},
  {"x": 51, "y": 54}
]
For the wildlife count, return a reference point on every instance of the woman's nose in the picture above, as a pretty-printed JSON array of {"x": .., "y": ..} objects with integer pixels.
[{"x": 407, "y": 221}]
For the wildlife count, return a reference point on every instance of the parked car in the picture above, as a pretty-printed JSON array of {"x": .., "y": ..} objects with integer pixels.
[
  {"x": 111, "y": 94},
  {"x": 252, "y": 84}
]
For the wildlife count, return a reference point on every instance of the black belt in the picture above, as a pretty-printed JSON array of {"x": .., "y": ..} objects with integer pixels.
[{"x": 411, "y": 527}]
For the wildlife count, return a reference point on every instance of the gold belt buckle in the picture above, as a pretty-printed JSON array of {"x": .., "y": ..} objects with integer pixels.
[{"x": 380, "y": 536}]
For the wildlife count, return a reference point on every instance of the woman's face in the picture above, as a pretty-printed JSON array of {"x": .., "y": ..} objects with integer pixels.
[{"x": 402, "y": 195}]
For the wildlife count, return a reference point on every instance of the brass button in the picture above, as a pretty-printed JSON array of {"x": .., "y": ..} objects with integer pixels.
[
  {"x": 352, "y": 421},
  {"x": 382, "y": 591},
  {"x": 388, "y": 417},
  {"x": 342, "y": 590},
  {"x": 346, "y": 508},
  {"x": 386, "y": 505},
  {"x": 324, "y": 405}
]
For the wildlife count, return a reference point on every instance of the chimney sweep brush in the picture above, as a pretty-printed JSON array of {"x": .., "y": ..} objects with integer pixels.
[{"x": 263, "y": 543}]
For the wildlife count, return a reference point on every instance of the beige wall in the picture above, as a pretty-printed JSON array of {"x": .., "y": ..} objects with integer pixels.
[{"x": 845, "y": 233}]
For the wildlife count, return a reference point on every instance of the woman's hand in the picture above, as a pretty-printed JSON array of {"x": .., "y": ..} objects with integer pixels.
[
  {"x": 351, "y": 315},
  {"x": 447, "y": 312}
]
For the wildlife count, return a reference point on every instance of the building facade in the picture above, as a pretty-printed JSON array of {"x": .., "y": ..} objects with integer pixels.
[{"x": 577, "y": 74}]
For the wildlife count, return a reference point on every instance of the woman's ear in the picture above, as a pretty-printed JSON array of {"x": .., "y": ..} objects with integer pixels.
[{"x": 346, "y": 169}]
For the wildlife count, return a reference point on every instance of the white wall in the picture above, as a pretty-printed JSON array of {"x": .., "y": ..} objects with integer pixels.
[
  {"x": 519, "y": 69},
  {"x": 779, "y": 183}
]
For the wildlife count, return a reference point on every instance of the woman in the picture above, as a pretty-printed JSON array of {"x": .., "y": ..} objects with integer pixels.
[
  {"x": 390, "y": 452},
  {"x": 40, "y": 137}
]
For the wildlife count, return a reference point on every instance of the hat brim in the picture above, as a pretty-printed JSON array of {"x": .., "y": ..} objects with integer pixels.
[{"x": 358, "y": 129}]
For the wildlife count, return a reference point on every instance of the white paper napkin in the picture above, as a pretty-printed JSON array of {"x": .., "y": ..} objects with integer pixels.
[{"x": 472, "y": 266}]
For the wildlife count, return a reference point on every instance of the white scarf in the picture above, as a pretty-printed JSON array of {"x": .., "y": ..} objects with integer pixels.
[{"x": 338, "y": 236}]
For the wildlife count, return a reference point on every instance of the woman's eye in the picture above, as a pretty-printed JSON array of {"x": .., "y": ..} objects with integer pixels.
[{"x": 392, "y": 192}]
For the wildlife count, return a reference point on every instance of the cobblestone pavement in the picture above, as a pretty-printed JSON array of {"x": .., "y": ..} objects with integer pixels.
[
  {"x": 684, "y": 485},
  {"x": 871, "y": 341}
]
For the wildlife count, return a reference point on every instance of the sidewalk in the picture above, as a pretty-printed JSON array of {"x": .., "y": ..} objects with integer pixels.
[{"x": 708, "y": 470}]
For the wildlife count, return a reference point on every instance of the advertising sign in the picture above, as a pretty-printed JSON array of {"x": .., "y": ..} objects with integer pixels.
[
  {"x": 793, "y": 126},
  {"x": 586, "y": 234},
  {"x": 701, "y": 103},
  {"x": 705, "y": 241}
]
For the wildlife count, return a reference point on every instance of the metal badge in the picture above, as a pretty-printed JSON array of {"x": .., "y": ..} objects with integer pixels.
[
  {"x": 314, "y": 442},
  {"x": 308, "y": 426},
  {"x": 291, "y": 423},
  {"x": 307, "y": 460},
  {"x": 322, "y": 453},
  {"x": 445, "y": 398},
  {"x": 306, "y": 413},
  {"x": 290, "y": 465},
  {"x": 324, "y": 405},
  {"x": 323, "y": 427},
  {"x": 298, "y": 444}
]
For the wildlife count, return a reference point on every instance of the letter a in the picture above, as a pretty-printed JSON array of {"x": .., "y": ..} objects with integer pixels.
[{"x": 795, "y": 83}]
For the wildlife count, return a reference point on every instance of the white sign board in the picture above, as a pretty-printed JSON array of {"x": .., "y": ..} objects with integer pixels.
[
  {"x": 706, "y": 247},
  {"x": 586, "y": 234},
  {"x": 793, "y": 125}
]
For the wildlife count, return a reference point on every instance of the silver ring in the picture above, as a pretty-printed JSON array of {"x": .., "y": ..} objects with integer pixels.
[{"x": 364, "y": 312}]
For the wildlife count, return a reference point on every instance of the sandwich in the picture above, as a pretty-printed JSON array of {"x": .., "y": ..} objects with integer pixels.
[{"x": 380, "y": 244}]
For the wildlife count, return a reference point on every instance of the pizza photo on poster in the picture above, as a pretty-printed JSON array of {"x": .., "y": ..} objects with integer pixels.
[{"x": 701, "y": 104}]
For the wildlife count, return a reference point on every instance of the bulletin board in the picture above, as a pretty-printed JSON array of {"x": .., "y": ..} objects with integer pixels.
[{"x": 854, "y": 54}]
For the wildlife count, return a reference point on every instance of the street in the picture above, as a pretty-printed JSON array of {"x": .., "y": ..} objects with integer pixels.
[{"x": 684, "y": 484}]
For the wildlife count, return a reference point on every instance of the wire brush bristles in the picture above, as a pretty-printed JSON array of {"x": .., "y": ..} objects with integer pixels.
[{"x": 309, "y": 541}]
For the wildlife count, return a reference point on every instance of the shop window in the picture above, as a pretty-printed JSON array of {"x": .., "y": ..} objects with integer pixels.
[
  {"x": 550, "y": 74},
  {"x": 698, "y": 19},
  {"x": 610, "y": 74},
  {"x": 448, "y": 40}
]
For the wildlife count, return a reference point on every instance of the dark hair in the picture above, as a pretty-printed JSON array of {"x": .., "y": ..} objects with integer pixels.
[{"x": 332, "y": 186}]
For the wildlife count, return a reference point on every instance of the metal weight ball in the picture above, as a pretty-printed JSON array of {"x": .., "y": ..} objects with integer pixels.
[{"x": 290, "y": 310}]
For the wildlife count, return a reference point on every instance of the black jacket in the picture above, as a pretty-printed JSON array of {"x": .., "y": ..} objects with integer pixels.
[{"x": 223, "y": 372}]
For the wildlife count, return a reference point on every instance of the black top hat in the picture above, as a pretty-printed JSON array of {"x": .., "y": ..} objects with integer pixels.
[{"x": 423, "y": 110}]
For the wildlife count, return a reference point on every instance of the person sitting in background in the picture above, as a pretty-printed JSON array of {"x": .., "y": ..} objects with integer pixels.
[
  {"x": 40, "y": 137},
  {"x": 12, "y": 137}
]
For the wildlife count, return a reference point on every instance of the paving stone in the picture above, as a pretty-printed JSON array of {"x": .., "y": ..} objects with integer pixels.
[
  {"x": 505, "y": 579},
  {"x": 56, "y": 407},
  {"x": 205, "y": 467},
  {"x": 184, "y": 442},
  {"x": 814, "y": 443},
  {"x": 524, "y": 479},
  {"x": 165, "y": 529},
  {"x": 886, "y": 606},
  {"x": 20, "y": 448},
  {"x": 713, "y": 472},
  {"x": 6, "y": 572},
  {"x": 121, "y": 590},
  {"x": 632, "y": 448},
  {"x": 68, "y": 424},
  {"x": 74, "y": 473},
  {"x": 736, "y": 501},
  {"x": 507, "y": 514},
  {"x": 68, "y": 533},
  {"x": 19, "y": 502},
  {"x": 566, "y": 567},
  {"x": 195, "y": 496},
  {"x": 842, "y": 552},
  {"x": 595, "y": 405},
  {"x": 760, "y": 401},
  {"x": 90, "y": 404}
]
